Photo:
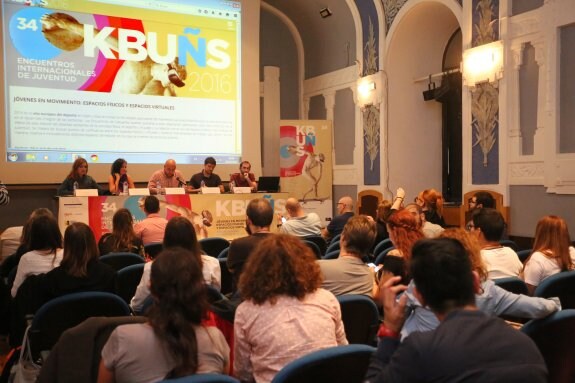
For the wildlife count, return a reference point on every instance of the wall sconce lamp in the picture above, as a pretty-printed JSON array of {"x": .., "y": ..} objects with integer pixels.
[
  {"x": 369, "y": 90},
  {"x": 365, "y": 87},
  {"x": 483, "y": 64},
  {"x": 325, "y": 12}
]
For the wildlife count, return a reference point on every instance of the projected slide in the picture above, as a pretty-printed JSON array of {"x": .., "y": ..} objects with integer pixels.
[{"x": 144, "y": 80}]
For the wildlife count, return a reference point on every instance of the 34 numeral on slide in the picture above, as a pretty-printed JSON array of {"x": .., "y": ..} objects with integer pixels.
[{"x": 24, "y": 23}]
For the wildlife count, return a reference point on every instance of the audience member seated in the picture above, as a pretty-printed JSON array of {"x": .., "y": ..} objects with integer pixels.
[
  {"x": 78, "y": 178},
  {"x": 429, "y": 230},
  {"x": 300, "y": 223},
  {"x": 119, "y": 175},
  {"x": 403, "y": 233},
  {"x": 44, "y": 253},
  {"x": 4, "y": 196},
  {"x": 206, "y": 178},
  {"x": 348, "y": 274},
  {"x": 80, "y": 269},
  {"x": 467, "y": 346},
  {"x": 168, "y": 177},
  {"x": 285, "y": 314},
  {"x": 500, "y": 261},
  {"x": 259, "y": 217},
  {"x": 179, "y": 233},
  {"x": 244, "y": 178},
  {"x": 344, "y": 212},
  {"x": 431, "y": 202},
  {"x": 174, "y": 342},
  {"x": 151, "y": 229},
  {"x": 491, "y": 299},
  {"x": 479, "y": 200},
  {"x": 552, "y": 251},
  {"x": 383, "y": 212},
  {"x": 122, "y": 238}
]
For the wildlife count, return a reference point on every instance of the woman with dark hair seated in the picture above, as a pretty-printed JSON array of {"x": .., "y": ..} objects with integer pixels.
[
  {"x": 122, "y": 238},
  {"x": 179, "y": 233},
  {"x": 78, "y": 178},
  {"x": 173, "y": 343},
  {"x": 285, "y": 314},
  {"x": 80, "y": 269}
]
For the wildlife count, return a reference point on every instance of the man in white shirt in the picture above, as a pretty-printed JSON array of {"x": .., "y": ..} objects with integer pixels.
[
  {"x": 299, "y": 223},
  {"x": 501, "y": 261}
]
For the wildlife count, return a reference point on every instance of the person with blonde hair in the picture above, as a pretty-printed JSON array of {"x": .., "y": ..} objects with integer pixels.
[
  {"x": 491, "y": 299},
  {"x": 552, "y": 251},
  {"x": 78, "y": 178},
  {"x": 285, "y": 313}
]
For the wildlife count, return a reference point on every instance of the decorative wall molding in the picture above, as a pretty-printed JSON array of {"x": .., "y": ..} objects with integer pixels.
[
  {"x": 333, "y": 81},
  {"x": 524, "y": 24},
  {"x": 346, "y": 175},
  {"x": 526, "y": 173}
]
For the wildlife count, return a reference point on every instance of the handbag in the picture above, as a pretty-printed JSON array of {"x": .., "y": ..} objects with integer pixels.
[{"x": 26, "y": 370}]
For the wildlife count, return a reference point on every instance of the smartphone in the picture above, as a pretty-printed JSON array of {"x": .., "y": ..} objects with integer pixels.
[
  {"x": 284, "y": 219},
  {"x": 375, "y": 267}
]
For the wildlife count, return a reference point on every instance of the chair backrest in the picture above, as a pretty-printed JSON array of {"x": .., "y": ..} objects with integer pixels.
[
  {"x": 335, "y": 364},
  {"x": 153, "y": 249},
  {"x": 560, "y": 285},
  {"x": 203, "y": 378},
  {"x": 509, "y": 243},
  {"x": 385, "y": 244},
  {"x": 555, "y": 336},
  {"x": 524, "y": 254},
  {"x": 379, "y": 259},
  {"x": 368, "y": 201},
  {"x": 335, "y": 239},
  {"x": 127, "y": 281},
  {"x": 360, "y": 318},
  {"x": 314, "y": 247},
  {"x": 512, "y": 284},
  {"x": 224, "y": 253},
  {"x": 118, "y": 261},
  {"x": 331, "y": 255},
  {"x": 318, "y": 240},
  {"x": 227, "y": 278},
  {"x": 213, "y": 246},
  {"x": 67, "y": 311},
  {"x": 333, "y": 246}
]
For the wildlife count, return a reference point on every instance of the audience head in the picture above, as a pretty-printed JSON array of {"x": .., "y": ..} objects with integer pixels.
[
  {"x": 358, "y": 236},
  {"x": 122, "y": 221},
  {"x": 344, "y": 205},
  {"x": 281, "y": 265},
  {"x": 481, "y": 199},
  {"x": 430, "y": 200},
  {"x": 40, "y": 212},
  {"x": 79, "y": 168},
  {"x": 80, "y": 248},
  {"x": 209, "y": 165},
  {"x": 151, "y": 204},
  {"x": 245, "y": 167},
  {"x": 415, "y": 210},
  {"x": 293, "y": 207},
  {"x": 489, "y": 224},
  {"x": 170, "y": 168},
  {"x": 441, "y": 270},
  {"x": 472, "y": 247},
  {"x": 180, "y": 233},
  {"x": 403, "y": 232},
  {"x": 45, "y": 234},
  {"x": 120, "y": 166},
  {"x": 259, "y": 213},
  {"x": 552, "y": 239},
  {"x": 383, "y": 210},
  {"x": 179, "y": 300}
]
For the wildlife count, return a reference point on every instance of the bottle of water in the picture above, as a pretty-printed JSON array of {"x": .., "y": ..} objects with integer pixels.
[
  {"x": 232, "y": 185},
  {"x": 125, "y": 188},
  {"x": 75, "y": 186},
  {"x": 202, "y": 184},
  {"x": 158, "y": 187}
]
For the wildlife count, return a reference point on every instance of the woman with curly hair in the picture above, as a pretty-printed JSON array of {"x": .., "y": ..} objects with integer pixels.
[
  {"x": 403, "y": 232},
  {"x": 552, "y": 251},
  {"x": 174, "y": 342},
  {"x": 285, "y": 314},
  {"x": 119, "y": 175},
  {"x": 122, "y": 238},
  {"x": 431, "y": 202},
  {"x": 491, "y": 299}
]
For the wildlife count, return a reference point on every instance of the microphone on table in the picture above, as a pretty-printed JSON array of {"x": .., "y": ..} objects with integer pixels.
[{"x": 181, "y": 182}]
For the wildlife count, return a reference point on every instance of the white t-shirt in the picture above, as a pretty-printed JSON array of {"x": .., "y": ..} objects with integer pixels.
[
  {"x": 501, "y": 262},
  {"x": 33, "y": 263},
  {"x": 540, "y": 267},
  {"x": 309, "y": 224}
]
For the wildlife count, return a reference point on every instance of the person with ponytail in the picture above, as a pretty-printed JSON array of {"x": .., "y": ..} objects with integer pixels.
[
  {"x": 431, "y": 202},
  {"x": 173, "y": 342}
]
